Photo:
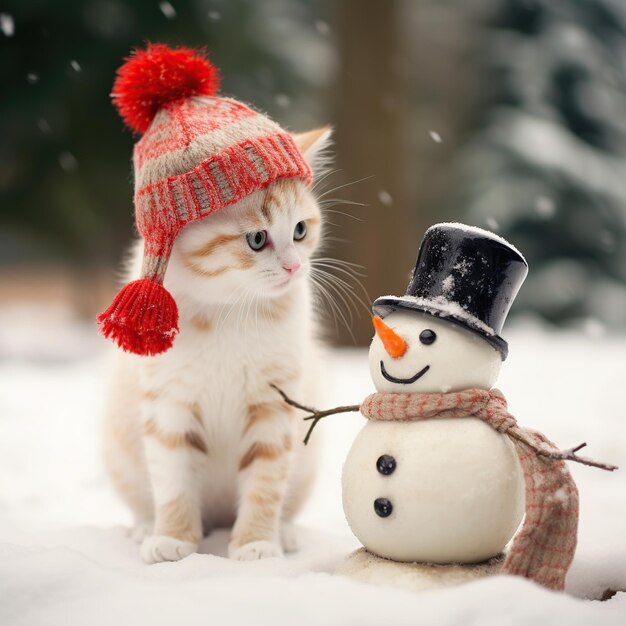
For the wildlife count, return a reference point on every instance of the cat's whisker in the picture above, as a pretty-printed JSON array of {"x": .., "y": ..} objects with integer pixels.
[
  {"x": 247, "y": 305},
  {"x": 342, "y": 263},
  {"x": 324, "y": 295},
  {"x": 329, "y": 202},
  {"x": 327, "y": 239},
  {"x": 230, "y": 305},
  {"x": 354, "y": 217},
  {"x": 344, "y": 291},
  {"x": 321, "y": 178},
  {"x": 348, "y": 184},
  {"x": 348, "y": 289},
  {"x": 242, "y": 292},
  {"x": 256, "y": 315},
  {"x": 345, "y": 299},
  {"x": 348, "y": 269},
  {"x": 322, "y": 278}
]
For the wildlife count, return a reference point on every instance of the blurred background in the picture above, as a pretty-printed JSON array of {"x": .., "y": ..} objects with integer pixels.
[{"x": 504, "y": 114}]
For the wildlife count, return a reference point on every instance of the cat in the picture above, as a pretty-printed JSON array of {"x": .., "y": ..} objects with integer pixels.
[{"x": 196, "y": 438}]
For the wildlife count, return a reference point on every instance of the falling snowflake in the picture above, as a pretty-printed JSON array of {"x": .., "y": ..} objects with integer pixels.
[
  {"x": 322, "y": 27},
  {"x": 435, "y": 136},
  {"x": 492, "y": 223},
  {"x": 385, "y": 197},
  {"x": 168, "y": 10},
  {"x": 7, "y": 25},
  {"x": 68, "y": 161},
  {"x": 75, "y": 65},
  {"x": 32, "y": 78},
  {"x": 282, "y": 100},
  {"x": 545, "y": 207},
  {"x": 43, "y": 126},
  {"x": 594, "y": 328},
  {"x": 607, "y": 241},
  {"x": 214, "y": 15}
]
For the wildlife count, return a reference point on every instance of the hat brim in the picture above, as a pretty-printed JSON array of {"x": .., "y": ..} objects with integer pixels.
[{"x": 386, "y": 304}]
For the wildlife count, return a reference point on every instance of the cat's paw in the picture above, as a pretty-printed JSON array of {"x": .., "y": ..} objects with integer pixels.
[
  {"x": 160, "y": 548},
  {"x": 289, "y": 537},
  {"x": 255, "y": 550}
]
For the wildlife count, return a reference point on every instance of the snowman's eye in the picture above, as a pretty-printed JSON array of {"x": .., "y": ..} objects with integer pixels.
[
  {"x": 428, "y": 336},
  {"x": 386, "y": 464},
  {"x": 383, "y": 507}
]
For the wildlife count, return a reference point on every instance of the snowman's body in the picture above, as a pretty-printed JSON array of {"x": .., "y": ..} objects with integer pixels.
[{"x": 438, "y": 490}]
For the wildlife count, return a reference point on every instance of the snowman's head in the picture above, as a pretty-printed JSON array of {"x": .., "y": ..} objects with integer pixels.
[{"x": 415, "y": 352}]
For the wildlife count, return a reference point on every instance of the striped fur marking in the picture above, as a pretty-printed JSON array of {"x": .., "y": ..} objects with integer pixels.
[
  {"x": 190, "y": 439},
  {"x": 175, "y": 519},
  {"x": 201, "y": 323},
  {"x": 259, "y": 451},
  {"x": 214, "y": 244}
]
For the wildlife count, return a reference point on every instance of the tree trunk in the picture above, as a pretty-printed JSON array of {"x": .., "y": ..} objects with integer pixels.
[{"x": 404, "y": 97}]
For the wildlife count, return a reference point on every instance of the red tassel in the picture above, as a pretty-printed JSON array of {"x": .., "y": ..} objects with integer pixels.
[{"x": 142, "y": 319}]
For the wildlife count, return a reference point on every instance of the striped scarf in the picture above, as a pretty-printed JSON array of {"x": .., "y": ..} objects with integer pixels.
[{"x": 543, "y": 549}]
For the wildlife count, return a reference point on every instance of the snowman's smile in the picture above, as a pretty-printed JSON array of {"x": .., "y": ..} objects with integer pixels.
[{"x": 402, "y": 381}]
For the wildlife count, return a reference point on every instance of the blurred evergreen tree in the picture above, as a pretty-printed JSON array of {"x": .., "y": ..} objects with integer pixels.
[
  {"x": 65, "y": 174},
  {"x": 546, "y": 164}
]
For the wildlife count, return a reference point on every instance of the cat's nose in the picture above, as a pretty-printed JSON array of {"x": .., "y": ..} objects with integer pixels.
[{"x": 291, "y": 267}]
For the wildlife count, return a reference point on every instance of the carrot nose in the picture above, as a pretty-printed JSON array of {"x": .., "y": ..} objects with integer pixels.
[{"x": 394, "y": 344}]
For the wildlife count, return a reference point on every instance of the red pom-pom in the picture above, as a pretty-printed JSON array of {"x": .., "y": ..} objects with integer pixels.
[
  {"x": 153, "y": 77},
  {"x": 142, "y": 319}
]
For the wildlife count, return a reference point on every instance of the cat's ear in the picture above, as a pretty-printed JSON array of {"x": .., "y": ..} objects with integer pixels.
[{"x": 314, "y": 145}]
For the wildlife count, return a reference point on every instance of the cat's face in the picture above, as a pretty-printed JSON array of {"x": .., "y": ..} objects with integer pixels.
[{"x": 257, "y": 248}]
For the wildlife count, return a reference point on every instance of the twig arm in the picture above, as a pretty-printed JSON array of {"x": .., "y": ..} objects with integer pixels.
[
  {"x": 569, "y": 454},
  {"x": 315, "y": 415}
]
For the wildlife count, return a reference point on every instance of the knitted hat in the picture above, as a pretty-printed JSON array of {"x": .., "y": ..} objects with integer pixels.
[{"x": 199, "y": 153}]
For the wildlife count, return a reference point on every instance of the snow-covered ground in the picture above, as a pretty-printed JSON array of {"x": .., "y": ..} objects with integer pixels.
[{"x": 65, "y": 557}]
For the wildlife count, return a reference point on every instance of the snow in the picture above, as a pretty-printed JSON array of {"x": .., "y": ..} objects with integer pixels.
[
  {"x": 65, "y": 557},
  {"x": 168, "y": 10},
  {"x": 282, "y": 100},
  {"x": 7, "y": 24},
  {"x": 435, "y": 136},
  {"x": 492, "y": 223},
  {"x": 475, "y": 230},
  {"x": 68, "y": 161},
  {"x": 448, "y": 285},
  {"x": 441, "y": 306},
  {"x": 322, "y": 27},
  {"x": 385, "y": 197},
  {"x": 545, "y": 207}
]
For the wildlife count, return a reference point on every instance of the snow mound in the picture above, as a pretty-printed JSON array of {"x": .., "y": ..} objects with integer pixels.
[{"x": 66, "y": 558}]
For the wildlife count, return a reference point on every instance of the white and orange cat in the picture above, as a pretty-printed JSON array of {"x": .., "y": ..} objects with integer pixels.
[{"x": 196, "y": 438}]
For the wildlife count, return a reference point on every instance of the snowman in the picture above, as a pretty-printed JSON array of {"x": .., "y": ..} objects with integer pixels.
[
  {"x": 443, "y": 490},
  {"x": 441, "y": 474}
]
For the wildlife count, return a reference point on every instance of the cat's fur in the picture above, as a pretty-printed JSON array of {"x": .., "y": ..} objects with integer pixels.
[{"x": 196, "y": 438}]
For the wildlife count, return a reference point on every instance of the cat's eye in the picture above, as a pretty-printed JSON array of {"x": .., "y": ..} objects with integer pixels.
[
  {"x": 299, "y": 232},
  {"x": 257, "y": 240},
  {"x": 428, "y": 336}
]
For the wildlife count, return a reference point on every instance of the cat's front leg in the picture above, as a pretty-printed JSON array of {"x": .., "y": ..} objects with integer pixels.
[
  {"x": 265, "y": 457},
  {"x": 175, "y": 448}
]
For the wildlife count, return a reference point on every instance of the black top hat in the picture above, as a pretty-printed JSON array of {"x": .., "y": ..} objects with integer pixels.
[{"x": 466, "y": 275}]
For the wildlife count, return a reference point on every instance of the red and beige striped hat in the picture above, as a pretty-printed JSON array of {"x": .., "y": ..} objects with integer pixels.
[{"x": 198, "y": 154}]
